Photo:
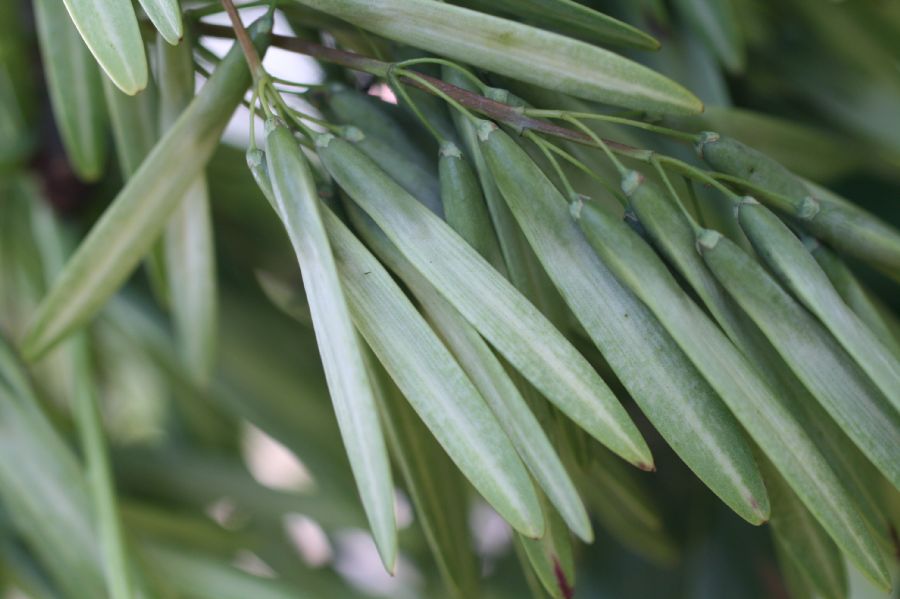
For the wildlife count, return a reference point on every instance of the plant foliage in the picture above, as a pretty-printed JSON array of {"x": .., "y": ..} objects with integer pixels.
[{"x": 550, "y": 297}]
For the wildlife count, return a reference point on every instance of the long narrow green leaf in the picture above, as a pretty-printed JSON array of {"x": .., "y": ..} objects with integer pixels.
[
  {"x": 625, "y": 509},
  {"x": 801, "y": 541},
  {"x": 110, "y": 29},
  {"x": 190, "y": 263},
  {"x": 872, "y": 312},
  {"x": 516, "y": 50},
  {"x": 491, "y": 379},
  {"x": 416, "y": 360},
  {"x": 786, "y": 255},
  {"x": 505, "y": 318},
  {"x": 673, "y": 234},
  {"x": 551, "y": 556},
  {"x": 725, "y": 460},
  {"x": 383, "y": 140},
  {"x": 845, "y": 226},
  {"x": 716, "y": 22},
  {"x": 166, "y": 17},
  {"x": 132, "y": 223},
  {"x": 517, "y": 260},
  {"x": 351, "y": 391},
  {"x": 464, "y": 204},
  {"x": 784, "y": 442},
  {"x": 643, "y": 355},
  {"x": 86, "y": 410},
  {"x": 820, "y": 363},
  {"x": 434, "y": 384},
  {"x": 437, "y": 491},
  {"x": 190, "y": 574},
  {"x": 571, "y": 18},
  {"x": 135, "y": 132},
  {"x": 76, "y": 93},
  {"x": 43, "y": 488}
]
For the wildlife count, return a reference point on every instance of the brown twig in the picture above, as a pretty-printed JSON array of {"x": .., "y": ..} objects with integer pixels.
[
  {"x": 240, "y": 33},
  {"x": 496, "y": 111}
]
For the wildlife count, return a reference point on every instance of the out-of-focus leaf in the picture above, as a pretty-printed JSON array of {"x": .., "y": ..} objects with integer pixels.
[
  {"x": 437, "y": 490},
  {"x": 43, "y": 488},
  {"x": 110, "y": 30},
  {"x": 76, "y": 89},
  {"x": 132, "y": 223},
  {"x": 166, "y": 17}
]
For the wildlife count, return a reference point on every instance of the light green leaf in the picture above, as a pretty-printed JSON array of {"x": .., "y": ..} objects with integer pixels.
[
  {"x": 43, "y": 489},
  {"x": 75, "y": 87},
  {"x": 571, "y": 18},
  {"x": 643, "y": 355},
  {"x": 505, "y": 318},
  {"x": 718, "y": 452},
  {"x": 870, "y": 310},
  {"x": 436, "y": 488},
  {"x": 673, "y": 234},
  {"x": 716, "y": 21},
  {"x": 190, "y": 262},
  {"x": 551, "y": 556},
  {"x": 829, "y": 217},
  {"x": 490, "y": 378},
  {"x": 779, "y": 435},
  {"x": 800, "y": 540},
  {"x": 297, "y": 205},
  {"x": 434, "y": 383},
  {"x": 166, "y": 17},
  {"x": 110, "y": 29},
  {"x": 516, "y": 50},
  {"x": 416, "y": 360},
  {"x": 84, "y": 404},
  {"x": 792, "y": 263},
  {"x": 128, "y": 228},
  {"x": 820, "y": 363}
]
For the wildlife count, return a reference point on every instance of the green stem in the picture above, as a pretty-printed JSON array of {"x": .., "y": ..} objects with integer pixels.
[
  {"x": 671, "y": 189},
  {"x": 395, "y": 84}
]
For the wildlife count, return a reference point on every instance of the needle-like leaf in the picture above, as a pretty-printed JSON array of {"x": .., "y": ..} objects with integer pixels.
[
  {"x": 166, "y": 17},
  {"x": 779, "y": 435},
  {"x": 643, "y": 355},
  {"x": 434, "y": 384},
  {"x": 133, "y": 222},
  {"x": 190, "y": 262},
  {"x": 297, "y": 204},
  {"x": 516, "y": 50},
  {"x": 571, "y": 18},
  {"x": 791, "y": 261},
  {"x": 75, "y": 87},
  {"x": 110, "y": 29},
  {"x": 505, "y": 318},
  {"x": 437, "y": 490},
  {"x": 491, "y": 379}
]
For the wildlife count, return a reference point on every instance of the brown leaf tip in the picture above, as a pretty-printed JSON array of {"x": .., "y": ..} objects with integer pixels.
[{"x": 567, "y": 590}]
